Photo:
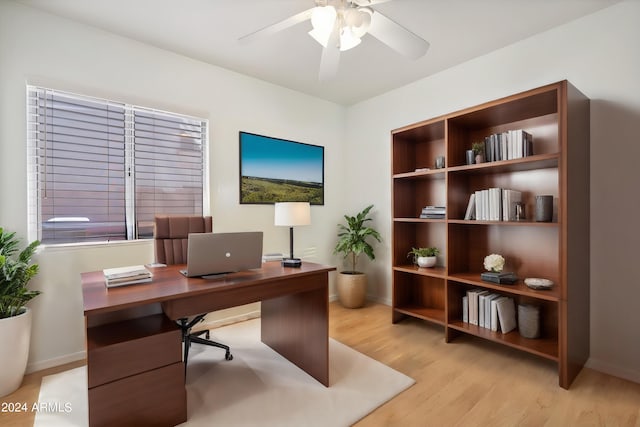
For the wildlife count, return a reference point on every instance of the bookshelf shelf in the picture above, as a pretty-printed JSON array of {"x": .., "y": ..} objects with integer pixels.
[
  {"x": 505, "y": 223},
  {"x": 414, "y": 269},
  {"x": 547, "y": 348},
  {"x": 539, "y": 161},
  {"x": 430, "y": 314},
  {"x": 420, "y": 220},
  {"x": 556, "y": 163},
  {"x": 518, "y": 288},
  {"x": 427, "y": 174}
]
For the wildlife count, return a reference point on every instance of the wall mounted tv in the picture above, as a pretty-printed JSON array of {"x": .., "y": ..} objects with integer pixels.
[{"x": 276, "y": 170}]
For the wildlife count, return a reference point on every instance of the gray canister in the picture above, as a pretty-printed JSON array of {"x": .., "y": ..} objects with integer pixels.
[
  {"x": 544, "y": 208},
  {"x": 529, "y": 321}
]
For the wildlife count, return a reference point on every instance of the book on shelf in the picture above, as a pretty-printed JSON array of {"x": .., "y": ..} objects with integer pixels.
[
  {"x": 509, "y": 200},
  {"x": 129, "y": 275},
  {"x": 465, "y": 309},
  {"x": 493, "y": 204},
  {"x": 479, "y": 307},
  {"x": 506, "y": 314},
  {"x": 470, "y": 213},
  {"x": 473, "y": 301},
  {"x": 494, "y": 321},
  {"x": 509, "y": 145},
  {"x": 484, "y": 309},
  {"x": 487, "y": 309},
  {"x": 469, "y": 296}
]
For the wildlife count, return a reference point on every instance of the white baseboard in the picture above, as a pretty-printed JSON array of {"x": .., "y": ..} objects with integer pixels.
[
  {"x": 212, "y": 324},
  {"x": 56, "y": 361},
  {"x": 373, "y": 298},
  {"x": 616, "y": 371},
  {"x": 383, "y": 301}
]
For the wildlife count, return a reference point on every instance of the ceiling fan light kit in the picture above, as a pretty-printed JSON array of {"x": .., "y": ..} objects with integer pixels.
[
  {"x": 339, "y": 25},
  {"x": 351, "y": 23}
]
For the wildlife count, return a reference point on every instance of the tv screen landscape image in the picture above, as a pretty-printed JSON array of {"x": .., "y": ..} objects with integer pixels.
[{"x": 277, "y": 170}]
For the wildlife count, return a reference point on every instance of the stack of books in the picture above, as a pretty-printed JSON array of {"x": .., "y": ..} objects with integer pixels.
[
  {"x": 122, "y": 276},
  {"x": 433, "y": 212},
  {"x": 499, "y": 278},
  {"x": 272, "y": 257}
]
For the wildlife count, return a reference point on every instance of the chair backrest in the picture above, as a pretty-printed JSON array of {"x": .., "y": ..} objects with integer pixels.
[{"x": 171, "y": 236}]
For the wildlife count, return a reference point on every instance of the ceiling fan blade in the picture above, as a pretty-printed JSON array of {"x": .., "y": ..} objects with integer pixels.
[
  {"x": 330, "y": 55},
  {"x": 278, "y": 26},
  {"x": 397, "y": 37}
]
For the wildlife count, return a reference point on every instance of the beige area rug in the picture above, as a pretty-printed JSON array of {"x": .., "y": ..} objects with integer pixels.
[{"x": 257, "y": 388}]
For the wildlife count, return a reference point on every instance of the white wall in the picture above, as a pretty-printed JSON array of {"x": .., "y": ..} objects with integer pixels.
[
  {"x": 599, "y": 54},
  {"x": 42, "y": 49}
]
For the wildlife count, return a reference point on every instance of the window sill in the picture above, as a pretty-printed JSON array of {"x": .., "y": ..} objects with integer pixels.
[{"x": 87, "y": 245}]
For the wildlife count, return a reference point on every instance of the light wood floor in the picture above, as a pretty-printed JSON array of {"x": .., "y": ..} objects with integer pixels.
[{"x": 467, "y": 383}]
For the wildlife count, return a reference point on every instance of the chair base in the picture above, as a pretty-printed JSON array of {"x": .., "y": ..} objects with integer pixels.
[{"x": 188, "y": 338}]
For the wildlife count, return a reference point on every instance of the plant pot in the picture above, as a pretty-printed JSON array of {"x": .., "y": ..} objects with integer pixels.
[
  {"x": 352, "y": 289},
  {"x": 469, "y": 156},
  {"x": 426, "y": 261},
  {"x": 15, "y": 334},
  {"x": 479, "y": 158}
]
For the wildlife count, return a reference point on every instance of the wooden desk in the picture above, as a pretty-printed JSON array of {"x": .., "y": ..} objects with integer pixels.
[{"x": 134, "y": 351}]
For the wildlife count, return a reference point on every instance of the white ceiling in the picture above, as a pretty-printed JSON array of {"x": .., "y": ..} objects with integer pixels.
[{"x": 208, "y": 30}]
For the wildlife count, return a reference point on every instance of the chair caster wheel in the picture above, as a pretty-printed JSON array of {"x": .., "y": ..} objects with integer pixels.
[
  {"x": 207, "y": 336},
  {"x": 228, "y": 356}
]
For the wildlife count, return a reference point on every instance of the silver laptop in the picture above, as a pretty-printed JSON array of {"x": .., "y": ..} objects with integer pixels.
[{"x": 214, "y": 254}]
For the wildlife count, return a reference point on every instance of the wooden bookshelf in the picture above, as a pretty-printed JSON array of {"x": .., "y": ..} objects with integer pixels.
[{"x": 557, "y": 115}]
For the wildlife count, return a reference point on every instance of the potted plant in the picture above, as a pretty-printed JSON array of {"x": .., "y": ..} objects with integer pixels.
[
  {"x": 352, "y": 241},
  {"x": 16, "y": 271},
  {"x": 478, "y": 150},
  {"x": 424, "y": 257}
]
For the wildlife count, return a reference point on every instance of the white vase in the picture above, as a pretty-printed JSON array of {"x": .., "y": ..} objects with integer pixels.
[
  {"x": 426, "y": 261},
  {"x": 15, "y": 334}
]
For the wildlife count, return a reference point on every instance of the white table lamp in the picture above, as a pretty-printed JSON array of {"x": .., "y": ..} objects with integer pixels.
[{"x": 291, "y": 214}]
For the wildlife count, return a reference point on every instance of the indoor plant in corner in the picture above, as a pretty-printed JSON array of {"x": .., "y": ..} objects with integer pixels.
[
  {"x": 352, "y": 241},
  {"x": 15, "y": 318}
]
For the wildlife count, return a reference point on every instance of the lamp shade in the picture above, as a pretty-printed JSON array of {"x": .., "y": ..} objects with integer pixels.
[{"x": 292, "y": 213}]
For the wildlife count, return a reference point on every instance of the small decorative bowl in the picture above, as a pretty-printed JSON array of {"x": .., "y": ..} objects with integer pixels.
[{"x": 537, "y": 283}]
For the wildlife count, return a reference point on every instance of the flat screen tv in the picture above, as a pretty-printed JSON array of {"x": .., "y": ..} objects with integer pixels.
[{"x": 277, "y": 170}]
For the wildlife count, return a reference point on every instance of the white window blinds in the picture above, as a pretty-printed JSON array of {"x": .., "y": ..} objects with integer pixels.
[
  {"x": 168, "y": 166},
  {"x": 101, "y": 170}
]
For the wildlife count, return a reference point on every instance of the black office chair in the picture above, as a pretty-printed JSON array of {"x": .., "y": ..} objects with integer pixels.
[{"x": 171, "y": 241}]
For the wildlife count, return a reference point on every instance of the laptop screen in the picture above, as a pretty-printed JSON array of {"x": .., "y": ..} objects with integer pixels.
[{"x": 220, "y": 253}]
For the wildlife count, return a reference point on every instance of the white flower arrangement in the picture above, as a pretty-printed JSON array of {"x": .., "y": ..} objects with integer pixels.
[{"x": 494, "y": 262}]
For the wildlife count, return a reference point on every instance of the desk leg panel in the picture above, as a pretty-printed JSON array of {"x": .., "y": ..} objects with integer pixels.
[{"x": 297, "y": 327}]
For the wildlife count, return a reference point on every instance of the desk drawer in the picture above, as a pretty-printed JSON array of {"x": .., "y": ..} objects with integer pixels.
[
  {"x": 154, "y": 398},
  {"x": 118, "y": 350}
]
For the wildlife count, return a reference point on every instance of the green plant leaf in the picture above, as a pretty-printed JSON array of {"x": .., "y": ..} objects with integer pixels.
[
  {"x": 352, "y": 238},
  {"x": 15, "y": 274}
]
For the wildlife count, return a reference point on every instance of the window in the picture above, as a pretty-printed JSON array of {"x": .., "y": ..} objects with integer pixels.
[{"x": 101, "y": 170}]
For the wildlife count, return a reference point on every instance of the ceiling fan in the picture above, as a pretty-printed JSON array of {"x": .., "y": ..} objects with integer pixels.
[{"x": 339, "y": 25}]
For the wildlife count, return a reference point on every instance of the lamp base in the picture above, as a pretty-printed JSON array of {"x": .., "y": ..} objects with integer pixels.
[{"x": 291, "y": 262}]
